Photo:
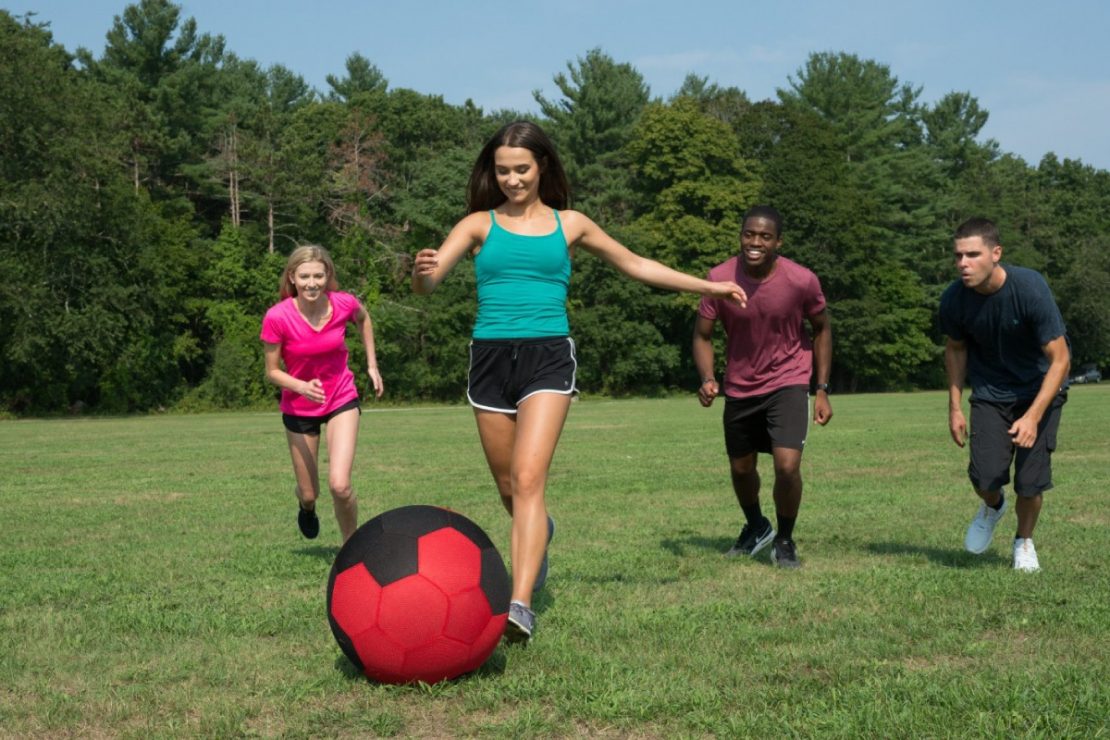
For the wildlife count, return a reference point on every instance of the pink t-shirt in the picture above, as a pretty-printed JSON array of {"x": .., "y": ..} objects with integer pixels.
[
  {"x": 768, "y": 347},
  {"x": 308, "y": 353}
]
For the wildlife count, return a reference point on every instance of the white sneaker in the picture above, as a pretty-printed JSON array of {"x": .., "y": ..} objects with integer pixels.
[
  {"x": 981, "y": 531},
  {"x": 1025, "y": 555}
]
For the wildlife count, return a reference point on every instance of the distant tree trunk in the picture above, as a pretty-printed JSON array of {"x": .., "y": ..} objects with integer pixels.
[
  {"x": 270, "y": 224},
  {"x": 135, "y": 163},
  {"x": 231, "y": 160}
]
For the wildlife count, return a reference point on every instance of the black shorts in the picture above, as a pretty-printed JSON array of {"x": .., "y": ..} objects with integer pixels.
[
  {"x": 311, "y": 424},
  {"x": 505, "y": 372},
  {"x": 759, "y": 423},
  {"x": 992, "y": 448}
]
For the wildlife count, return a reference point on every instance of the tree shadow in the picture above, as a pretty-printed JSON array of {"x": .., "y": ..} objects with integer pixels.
[{"x": 946, "y": 556}]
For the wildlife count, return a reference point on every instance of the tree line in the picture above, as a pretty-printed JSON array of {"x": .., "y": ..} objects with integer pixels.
[{"x": 148, "y": 198}]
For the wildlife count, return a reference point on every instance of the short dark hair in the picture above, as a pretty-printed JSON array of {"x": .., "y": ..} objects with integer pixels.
[
  {"x": 763, "y": 211},
  {"x": 983, "y": 228},
  {"x": 483, "y": 193}
]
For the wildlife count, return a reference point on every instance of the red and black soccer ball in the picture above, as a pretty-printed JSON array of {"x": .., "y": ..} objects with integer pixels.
[{"x": 418, "y": 593}]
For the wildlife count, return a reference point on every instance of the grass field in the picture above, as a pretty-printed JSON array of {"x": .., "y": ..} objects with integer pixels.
[{"x": 153, "y": 583}]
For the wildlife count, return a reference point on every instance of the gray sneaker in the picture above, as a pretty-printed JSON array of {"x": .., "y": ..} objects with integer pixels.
[
  {"x": 521, "y": 624},
  {"x": 541, "y": 577},
  {"x": 981, "y": 530},
  {"x": 784, "y": 555},
  {"x": 752, "y": 539}
]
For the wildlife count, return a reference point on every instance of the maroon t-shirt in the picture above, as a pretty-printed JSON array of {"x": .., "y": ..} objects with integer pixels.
[{"x": 768, "y": 347}]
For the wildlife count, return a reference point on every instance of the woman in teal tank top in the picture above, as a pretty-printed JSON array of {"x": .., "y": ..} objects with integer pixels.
[
  {"x": 522, "y": 238},
  {"x": 522, "y": 283}
]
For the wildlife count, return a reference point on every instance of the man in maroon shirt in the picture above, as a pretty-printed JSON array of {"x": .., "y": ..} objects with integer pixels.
[{"x": 771, "y": 362}]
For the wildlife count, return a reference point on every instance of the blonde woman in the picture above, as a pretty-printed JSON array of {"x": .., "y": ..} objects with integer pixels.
[{"x": 306, "y": 356}]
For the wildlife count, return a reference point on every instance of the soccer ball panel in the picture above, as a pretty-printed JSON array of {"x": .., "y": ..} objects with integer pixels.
[
  {"x": 473, "y": 532},
  {"x": 415, "y": 521},
  {"x": 392, "y": 557},
  {"x": 495, "y": 581},
  {"x": 449, "y": 559},
  {"x": 354, "y": 605},
  {"x": 382, "y": 658},
  {"x": 468, "y": 616},
  {"x": 413, "y": 611},
  {"x": 486, "y": 642},
  {"x": 442, "y": 658}
]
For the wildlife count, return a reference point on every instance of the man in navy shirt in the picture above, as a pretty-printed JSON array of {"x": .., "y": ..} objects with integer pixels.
[{"x": 1007, "y": 338}]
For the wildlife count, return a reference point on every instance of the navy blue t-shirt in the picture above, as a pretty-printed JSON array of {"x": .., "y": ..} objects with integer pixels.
[{"x": 1005, "y": 332}]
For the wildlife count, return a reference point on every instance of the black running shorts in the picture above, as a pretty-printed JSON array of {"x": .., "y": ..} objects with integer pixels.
[
  {"x": 992, "y": 448},
  {"x": 505, "y": 372},
  {"x": 759, "y": 423},
  {"x": 311, "y": 424}
]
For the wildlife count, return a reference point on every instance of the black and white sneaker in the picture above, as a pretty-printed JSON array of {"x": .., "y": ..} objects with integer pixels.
[
  {"x": 308, "y": 522},
  {"x": 784, "y": 555},
  {"x": 521, "y": 624},
  {"x": 752, "y": 539}
]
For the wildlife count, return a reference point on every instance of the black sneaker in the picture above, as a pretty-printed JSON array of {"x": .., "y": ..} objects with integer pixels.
[
  {"x": 784, "y": 555},
  {"x": 308, "y": 522},
  {"x": 752, "y": 539}
]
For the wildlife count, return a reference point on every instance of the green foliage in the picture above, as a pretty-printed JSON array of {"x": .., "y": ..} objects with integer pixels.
[
  {"x": 727, "y": 104},
  {"x": 686, "y": 162},
  {"x": 165, "y": 74},
  {"x": 615, "y": 322},
  {"x": 883, "y": 334},
  {"x": 362, "y": 78},
  {"x": 1082, "y": 293},
  {"x": 877, "y": 124},
  {"x": 592, "y": 124},
  {"x": 96, "y": 324},
  {"x": 151, "y": 194},
  {"x": 240, "y": 283}
]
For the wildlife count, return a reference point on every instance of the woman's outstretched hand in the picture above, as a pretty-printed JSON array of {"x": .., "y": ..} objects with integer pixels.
[{"x": 730, "y": 291}]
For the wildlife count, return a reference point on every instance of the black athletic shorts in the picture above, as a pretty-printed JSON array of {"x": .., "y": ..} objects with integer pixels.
[
  {"x": 758, "y": 423},
  {"x": 311, "y": 424},
  {"x": 505, "y": 372},
  {"x": 992, "y": 448}
]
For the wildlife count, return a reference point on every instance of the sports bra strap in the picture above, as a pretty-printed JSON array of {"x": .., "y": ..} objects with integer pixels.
[{"x": 559, "y": 221}]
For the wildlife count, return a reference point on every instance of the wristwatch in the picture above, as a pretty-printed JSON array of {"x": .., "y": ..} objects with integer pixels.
[{"x": 822, "y": 387}]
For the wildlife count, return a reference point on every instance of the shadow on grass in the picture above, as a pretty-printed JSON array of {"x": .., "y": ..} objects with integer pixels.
[
  {"x": 616, "y": 578},
  {"x": 678, "y": 546},
  {"x": 948, "y": 557},
  {"x": 323, "y": 552},
  {"x": 542, "y": 600}
]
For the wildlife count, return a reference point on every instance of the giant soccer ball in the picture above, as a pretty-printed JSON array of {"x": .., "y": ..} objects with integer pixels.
[{"x": 418, "y": 593}]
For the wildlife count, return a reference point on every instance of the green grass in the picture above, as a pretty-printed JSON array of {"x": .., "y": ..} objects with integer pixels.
[{"x": 153, "y": 583}]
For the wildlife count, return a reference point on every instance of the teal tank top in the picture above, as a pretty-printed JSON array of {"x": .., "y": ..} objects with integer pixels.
[{"x": 522, "y": 284}]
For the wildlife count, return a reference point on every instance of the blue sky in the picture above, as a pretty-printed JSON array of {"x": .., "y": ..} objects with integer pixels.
[{"x": 1042, "y": 69}]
